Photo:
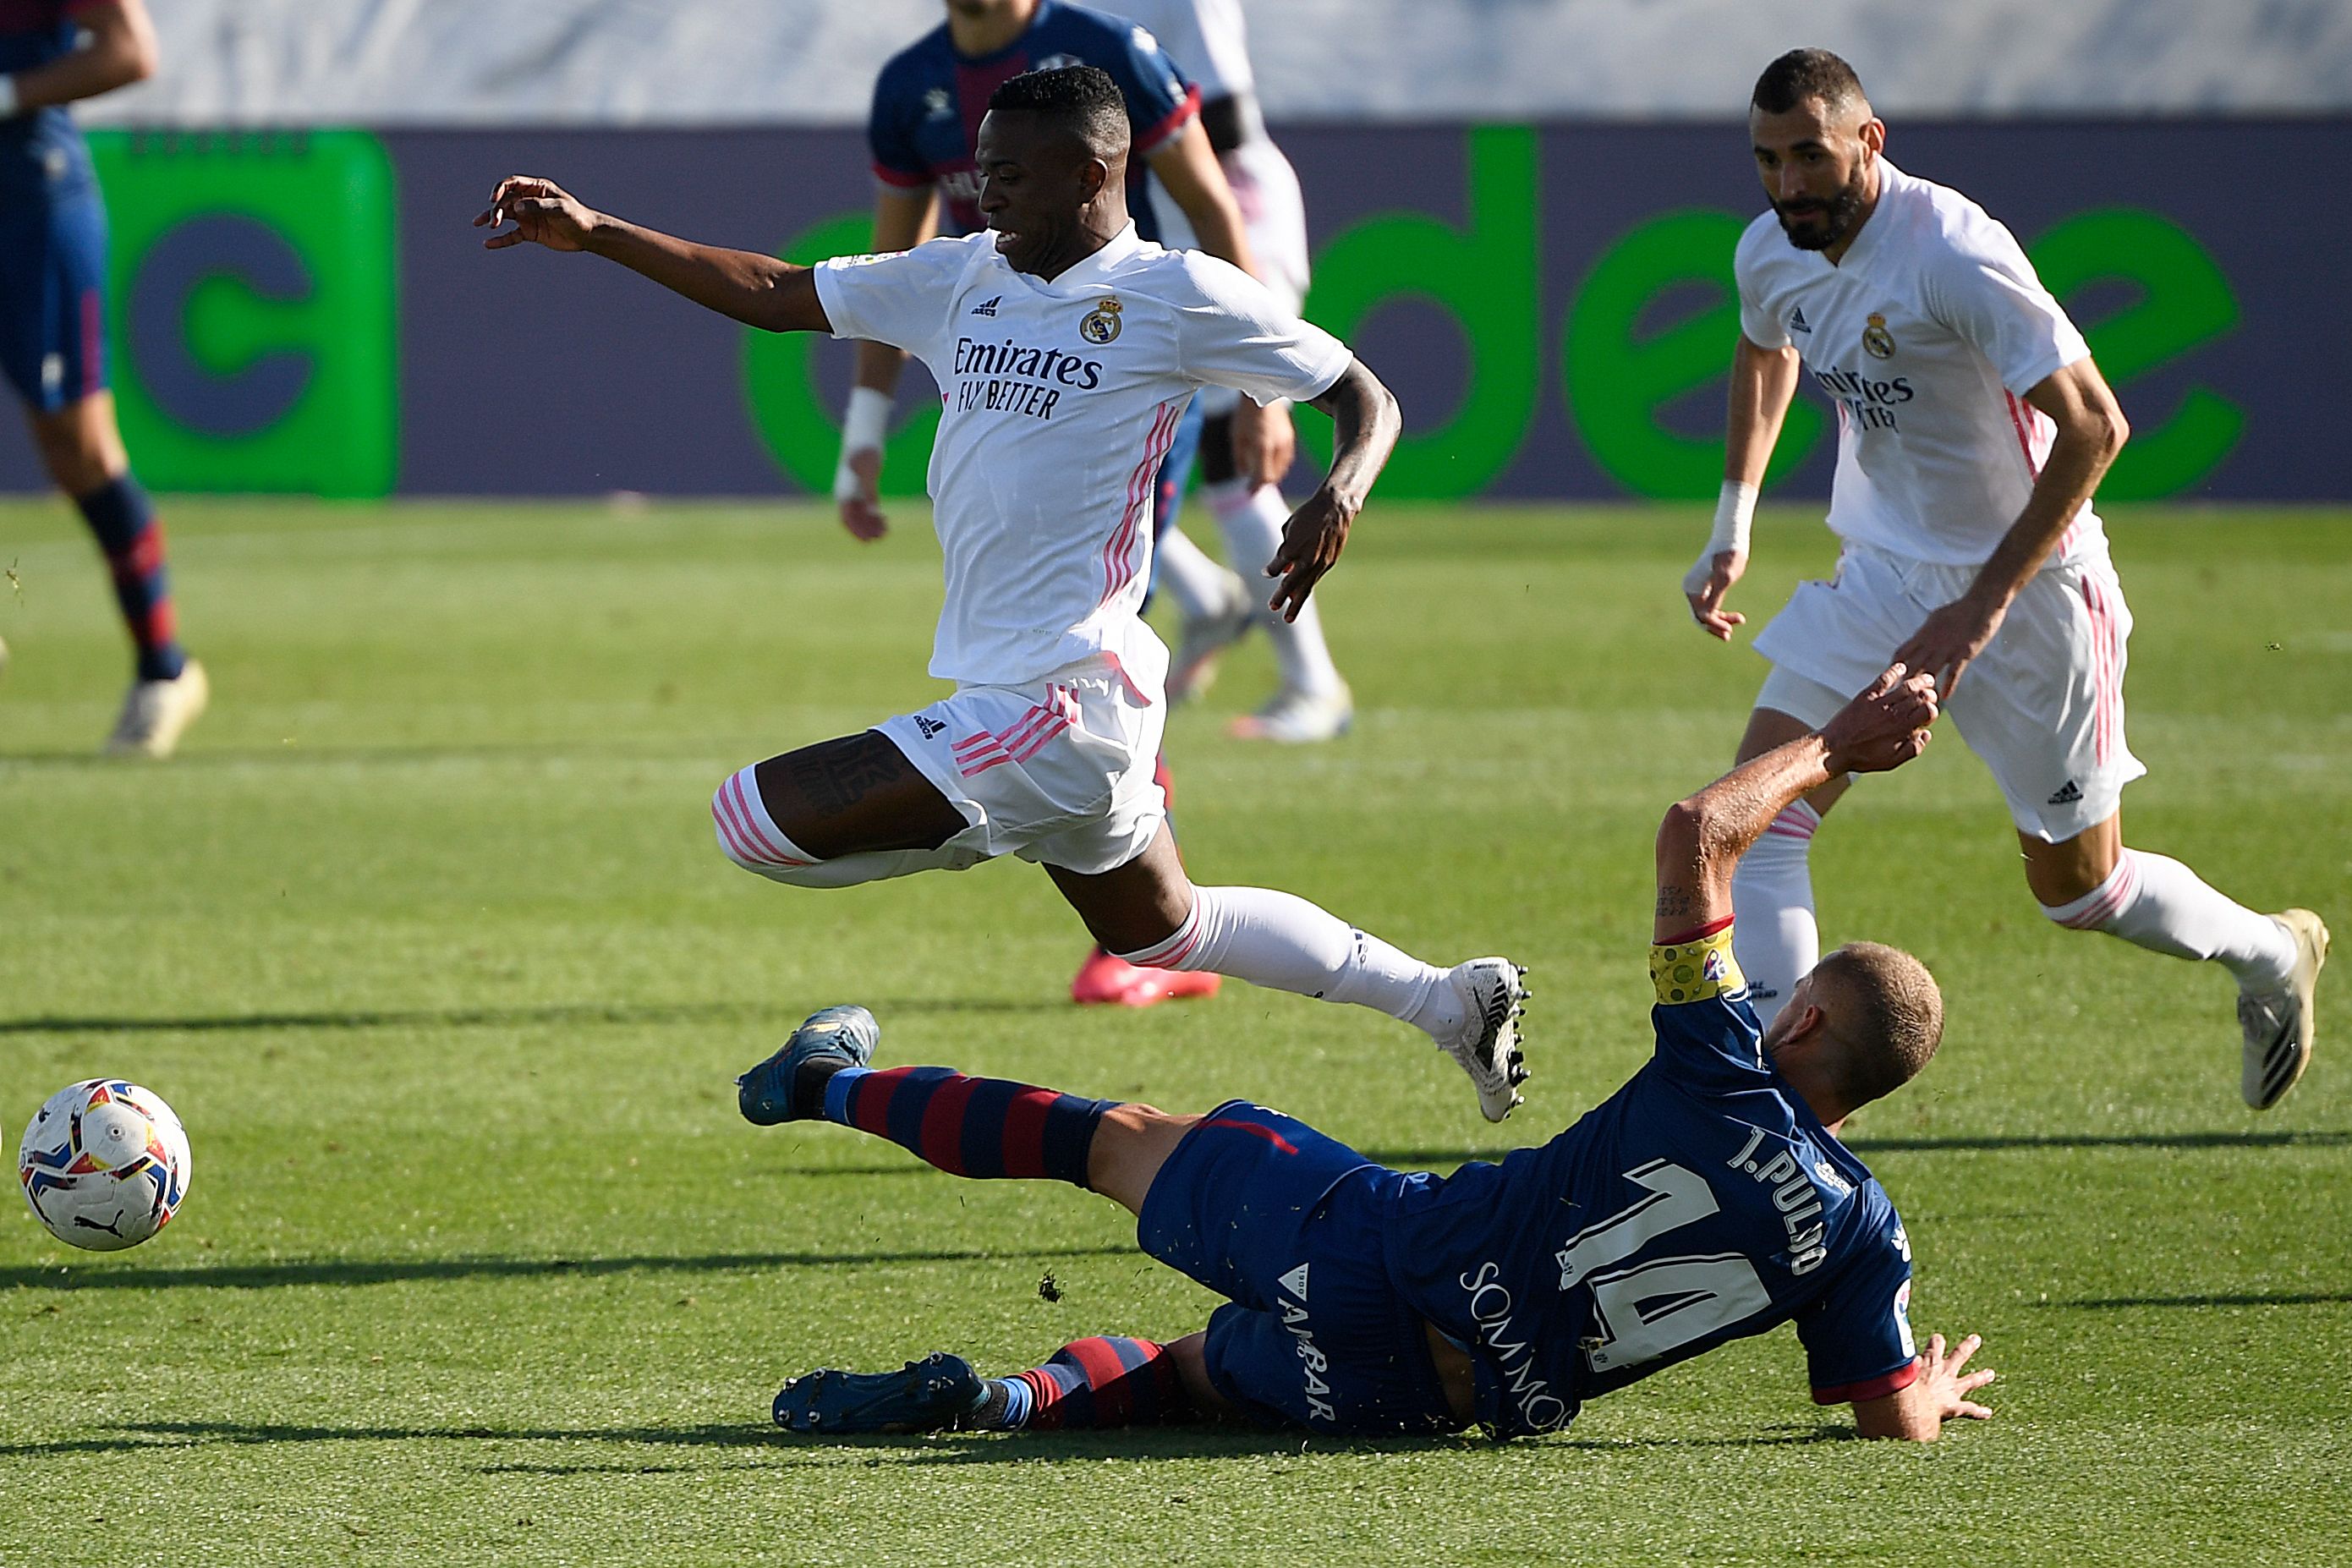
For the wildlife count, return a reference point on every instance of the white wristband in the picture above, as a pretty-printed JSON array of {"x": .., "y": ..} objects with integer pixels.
[
  {"x": 1734, "y": 510},
  {"x": 865, "y": 427},
  {"x": 7, "y": 95}
]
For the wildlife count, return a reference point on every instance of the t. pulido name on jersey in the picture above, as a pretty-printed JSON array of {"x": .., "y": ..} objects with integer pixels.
[{"x": 1009, "y": 377}]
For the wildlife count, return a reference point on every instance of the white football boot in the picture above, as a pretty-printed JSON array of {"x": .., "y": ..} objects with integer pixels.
[
  {"x": 2280, "y": 1025},
  {"x": 1488, "y": 1045},
  {"x": 1295, "y": 718},
  {"x": 156, "y": 713}
]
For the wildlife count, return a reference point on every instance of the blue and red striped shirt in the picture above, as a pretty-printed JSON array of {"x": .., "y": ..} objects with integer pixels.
[{"x": 930, "y": 99}]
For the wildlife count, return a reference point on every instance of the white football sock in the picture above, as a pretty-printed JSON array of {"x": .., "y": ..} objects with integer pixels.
[
  {"x": 1252, "y": 521},
  {"x": 1776, "y": 938},
  {"x": 1286, "y": 943},
  {"x": 2156, "y": 902},
  {"x": 1199, "y": 585}
]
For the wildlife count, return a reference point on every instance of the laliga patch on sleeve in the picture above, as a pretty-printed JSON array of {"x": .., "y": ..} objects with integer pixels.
[{"x": 1903, "y": 1318}]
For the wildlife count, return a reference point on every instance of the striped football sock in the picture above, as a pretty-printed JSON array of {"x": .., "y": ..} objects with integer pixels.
[
  {"x": 986, "y": 1127},
  {"x": 123, "y": 521},
  {"x": 1089, "y": 1386}
]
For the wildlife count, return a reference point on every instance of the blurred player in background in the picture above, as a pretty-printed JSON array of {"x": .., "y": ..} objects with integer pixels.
[
  {"x": 1972, "y": 431},
  {"x": 925, "y": 123},
  {"x": 1209, "y": 41},
  {"x": 1707, "y": 1200},
  {"x": 52, "y": 326},
  {"x": 1067, "y": 347}
]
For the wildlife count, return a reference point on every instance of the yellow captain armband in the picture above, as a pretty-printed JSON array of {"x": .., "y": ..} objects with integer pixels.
[{"x": 1699, "y": 969}]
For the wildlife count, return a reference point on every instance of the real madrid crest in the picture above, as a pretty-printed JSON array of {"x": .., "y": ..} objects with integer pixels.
[
  {"x": 1877, "y": 339},
  {"x": 1101, "y": 325}
]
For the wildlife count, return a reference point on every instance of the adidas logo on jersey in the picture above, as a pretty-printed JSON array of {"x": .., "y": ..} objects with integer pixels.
[
  {"x": 988, "y": 307},
  {"x": 929, "y": 727},
  {"x": 2068, "y": 794},
  {"x": 1797, "y": 322}
]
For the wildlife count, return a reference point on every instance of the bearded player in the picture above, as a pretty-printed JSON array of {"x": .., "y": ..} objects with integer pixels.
[
  {"x": 1209, "y": 39},
  {"x": 1706, "y": 1201},
  {"x": 52, "y": 329},
  {"x": 1068, "y": 347},
  {"x": 1972, "y": 429}
]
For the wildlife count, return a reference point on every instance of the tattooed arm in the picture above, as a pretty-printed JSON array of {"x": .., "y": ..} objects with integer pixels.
[{"x": 1704, "y": 837}]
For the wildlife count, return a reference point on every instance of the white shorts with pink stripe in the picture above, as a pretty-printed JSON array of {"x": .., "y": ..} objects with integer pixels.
[
  {"x": 2042, "y": 705},
  {"x": 1058, "y": 771}
]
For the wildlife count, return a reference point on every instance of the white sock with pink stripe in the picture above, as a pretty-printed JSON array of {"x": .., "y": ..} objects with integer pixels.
[
  {"x": 1286, "y": 943},
  {"x": 1776, "y": 938},
  {"x": 2156, "y": 902},
  {"x": 1252, "y": 519}
]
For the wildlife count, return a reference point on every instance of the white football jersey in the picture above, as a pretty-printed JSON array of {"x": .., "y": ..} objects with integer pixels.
[
  {"x": 1059, "y": 399},
  {"x": 1926, "y": 337}
]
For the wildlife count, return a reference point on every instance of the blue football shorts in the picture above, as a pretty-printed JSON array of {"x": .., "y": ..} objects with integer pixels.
[
  {"x": 1286, "y": 1225},
  {"x": 52, "y": 274}
]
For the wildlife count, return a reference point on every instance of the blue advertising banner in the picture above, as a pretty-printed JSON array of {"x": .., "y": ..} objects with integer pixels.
[{"x": 1553, "y": 305}]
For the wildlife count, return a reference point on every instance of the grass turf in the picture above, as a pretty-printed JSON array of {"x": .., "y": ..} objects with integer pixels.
[{"x": 425, "y": 937}]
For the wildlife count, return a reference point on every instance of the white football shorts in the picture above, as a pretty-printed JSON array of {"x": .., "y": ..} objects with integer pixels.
[
  {"x": 1058, "y": 771},
  {"x": 2042, "y": 705}
]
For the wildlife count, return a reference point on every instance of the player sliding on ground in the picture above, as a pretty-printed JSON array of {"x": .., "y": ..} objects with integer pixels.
[
  {"x": 1972, "y": 431},
  {"x": 1706, "y": 1201},
  {"x": 1067, "y": 349}
]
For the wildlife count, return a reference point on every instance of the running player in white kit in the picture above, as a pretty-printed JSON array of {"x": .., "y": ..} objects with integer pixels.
[
  {"x": 1209, "y": 41},
  {"x": 1972, "y": 431},
  {"x": 1067, "y": 350}
]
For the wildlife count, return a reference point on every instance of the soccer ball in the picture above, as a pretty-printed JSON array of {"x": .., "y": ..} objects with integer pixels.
[{"x": 104, "y": 1165}]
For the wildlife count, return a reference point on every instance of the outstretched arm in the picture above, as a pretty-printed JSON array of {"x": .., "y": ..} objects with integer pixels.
[
  {"x": 120, "y": 50},
  {"x": 1917, "y": 1412},
  {"x": 758, "y": 291},
  {"x": 1365, "y": 413},
  {"x": 1704, "y": 837},
  {"x": 1762, "y": 382},
  {"x": 2091, "y": 430}
]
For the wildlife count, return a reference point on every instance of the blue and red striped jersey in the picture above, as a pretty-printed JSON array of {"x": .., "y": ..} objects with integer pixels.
[{"x": 928, "y": 102}]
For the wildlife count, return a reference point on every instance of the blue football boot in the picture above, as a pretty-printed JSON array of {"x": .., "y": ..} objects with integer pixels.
[
  {"x": 924, "y": 1397},
  {"x": 765, "y": 1093}
]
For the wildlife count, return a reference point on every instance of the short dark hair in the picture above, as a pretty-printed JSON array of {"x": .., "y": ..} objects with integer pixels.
[
  {"x": 1884, "y": 1011},
  {"x": 1802, "y": 74},
  {"x": 1083, "y": 98}
]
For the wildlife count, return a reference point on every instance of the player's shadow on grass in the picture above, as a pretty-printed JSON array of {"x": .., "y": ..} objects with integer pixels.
[
  {"x": 779, "y": 1014},
  {"x": 1445, "y": 1159},
  {"x": 787, "y": 1450},
  {"x": 392, "y": 1271},
  {"x": 2247, "y": 1299}
]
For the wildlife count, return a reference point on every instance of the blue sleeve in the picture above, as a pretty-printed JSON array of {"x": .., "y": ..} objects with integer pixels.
[
  {"x": 890, "y": 130},
  {"x": 1857, "y": 1334},
  {"x": 1708, "y": 1039},
  {"x": 1159, "y": 99}
]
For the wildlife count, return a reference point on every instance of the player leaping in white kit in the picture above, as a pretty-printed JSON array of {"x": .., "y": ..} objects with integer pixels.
[
  {"x": 1066, "y": 348},
  {"x": 1972, "y": 431}
]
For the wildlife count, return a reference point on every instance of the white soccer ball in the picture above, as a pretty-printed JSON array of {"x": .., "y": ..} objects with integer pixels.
[{"x": 104, "y": 1165}]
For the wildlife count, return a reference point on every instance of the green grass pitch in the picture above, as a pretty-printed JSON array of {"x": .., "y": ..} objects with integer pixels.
[{"x": 425, "y": 937}]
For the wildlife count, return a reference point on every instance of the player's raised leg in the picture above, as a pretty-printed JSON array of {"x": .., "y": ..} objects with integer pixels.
[
  {"x": 837, "y": 814},
  {"x": 1149, "y": 912}
]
